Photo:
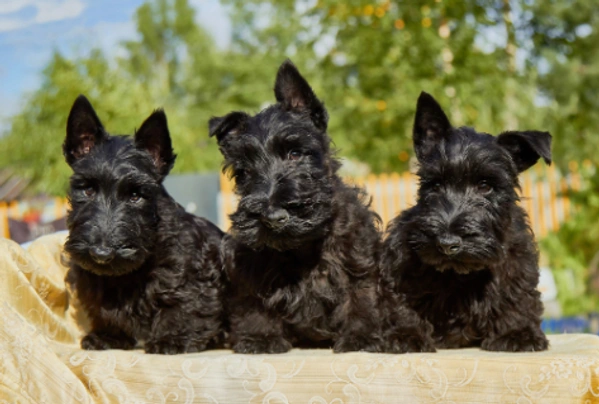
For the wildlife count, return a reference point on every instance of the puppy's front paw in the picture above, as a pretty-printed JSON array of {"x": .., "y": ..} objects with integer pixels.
[
  {"x": 359, "y": 343},
  {"x": 525, "y": 340},
  {"x": 98, "y": 341},
  {"x": 409, "y": 341},
  {"x": 268, "y": 345}
]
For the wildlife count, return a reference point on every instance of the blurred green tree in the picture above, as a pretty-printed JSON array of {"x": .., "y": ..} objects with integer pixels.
[
  {"x": 370, "y": 60},
  {"x": 156, "y": 71},
  {"x": 564, "y": 42},
  {"x": 33, "y": 146},
  {"x": 563, "y": 45}
]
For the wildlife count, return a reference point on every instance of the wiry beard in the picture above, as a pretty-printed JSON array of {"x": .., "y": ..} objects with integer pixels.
[{"x": 249, "y": 230}]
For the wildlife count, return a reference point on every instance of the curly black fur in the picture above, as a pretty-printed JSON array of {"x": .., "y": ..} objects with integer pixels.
[
  {"x": 465, "y": 257},
  {"x": 302, "y": 255},
  {"x": 143, "y": 268}
]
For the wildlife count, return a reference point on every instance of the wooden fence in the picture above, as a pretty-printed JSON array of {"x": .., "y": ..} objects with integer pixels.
[
  {"x": 47, "y": 210},
  {"x": 542, "y": 196}
]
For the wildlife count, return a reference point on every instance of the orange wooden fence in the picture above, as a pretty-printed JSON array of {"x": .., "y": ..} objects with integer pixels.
[
  {"x": 542, "y": 196},
  {"x": 49, "y": 210}
]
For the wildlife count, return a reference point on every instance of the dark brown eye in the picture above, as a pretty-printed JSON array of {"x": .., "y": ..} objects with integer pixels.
[
  {"x": 135, "y": 197},
  {"x": 294, "y": 155},
  {"x": 437, "y": 186},
  {"x": 89, "y": 192},
  {"x": 484, "y": 188}
]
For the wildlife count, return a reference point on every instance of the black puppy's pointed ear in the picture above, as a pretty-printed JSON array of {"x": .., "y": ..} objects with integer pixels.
[
  {"x": 84, "y": 131},
  {"x": 233, "y": 123},
  {"x": 294, "y": 93},
  {"x": 154, "y": 137},
  {"x": 431, "y": 125},
  {"x": 526, "y": 147}
]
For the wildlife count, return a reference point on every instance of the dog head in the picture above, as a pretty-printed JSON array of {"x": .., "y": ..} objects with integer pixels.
[
  {"x": 114, "y": 190},
  {"x": 468, "y": 189},
  {"x": 282, "y": 164}
]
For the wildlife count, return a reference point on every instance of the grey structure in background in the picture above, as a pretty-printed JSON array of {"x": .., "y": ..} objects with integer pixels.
[{"x": 196, "y": 192}]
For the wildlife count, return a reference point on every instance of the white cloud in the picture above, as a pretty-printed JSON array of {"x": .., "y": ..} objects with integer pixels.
[
  {"x": 58, "y": 10},
  {"x": 109, "y": 35},
  {"x": 10, "y": 6},
  {"x": 7, "y": 24},
  {"x": 212, "y": 16},
  {"x": 45, "y": 11}
]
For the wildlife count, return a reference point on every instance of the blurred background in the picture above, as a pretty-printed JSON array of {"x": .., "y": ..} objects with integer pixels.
[{"x": 492, "y": 64}]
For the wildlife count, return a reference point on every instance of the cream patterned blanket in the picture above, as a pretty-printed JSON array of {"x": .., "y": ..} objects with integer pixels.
[{"x": 41, "y": 361}]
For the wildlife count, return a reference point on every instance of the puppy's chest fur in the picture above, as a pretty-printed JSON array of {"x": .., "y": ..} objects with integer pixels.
[
  {"x": 183, "y": 273},
  {"x": 459, "y": 305},
  {"x": 296, "y": 285},
  {"x": 126, "y": 302}
]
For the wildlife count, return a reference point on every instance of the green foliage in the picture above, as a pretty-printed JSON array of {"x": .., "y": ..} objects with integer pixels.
[
  {"x": 369, "y": 61},
  {"x": 33, "y": 147},
  {"x": 174, "y": 66},
  {"x": 564, "y": 38},
  {"x": 572, "y": 248}
]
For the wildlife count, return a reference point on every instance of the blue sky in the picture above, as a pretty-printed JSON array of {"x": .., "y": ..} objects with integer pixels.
[{"x": 31, "y": 29}]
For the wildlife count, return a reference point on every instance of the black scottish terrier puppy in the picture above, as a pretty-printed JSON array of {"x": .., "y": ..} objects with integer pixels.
[
  {"x": 302, "y": 254},
  {"x": 142, "y": 267},
  {"x": 465, "y": 255}
]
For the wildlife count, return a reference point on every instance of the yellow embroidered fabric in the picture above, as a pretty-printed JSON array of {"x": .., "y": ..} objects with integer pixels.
[{"x": 41, "y": 361}]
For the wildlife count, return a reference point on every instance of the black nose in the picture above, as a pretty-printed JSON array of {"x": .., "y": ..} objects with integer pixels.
[
  {"x": 449, "y": 245},
  {"x": 102, "y": 254},
  {"x": 276, "y": 218}
]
